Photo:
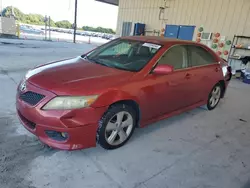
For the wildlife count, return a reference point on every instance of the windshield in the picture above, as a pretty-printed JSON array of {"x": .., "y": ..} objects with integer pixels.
[{"x": 124, "y": 54}]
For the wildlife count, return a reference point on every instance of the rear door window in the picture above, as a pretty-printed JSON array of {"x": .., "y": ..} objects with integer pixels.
[{"x": 199, "y": 56}]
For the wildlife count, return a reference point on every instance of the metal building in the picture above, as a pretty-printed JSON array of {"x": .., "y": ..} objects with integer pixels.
[{"x": 228, "y": 17}]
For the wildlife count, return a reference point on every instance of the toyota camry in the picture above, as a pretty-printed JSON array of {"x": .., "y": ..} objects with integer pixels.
[{"x": 103, "y": 95}]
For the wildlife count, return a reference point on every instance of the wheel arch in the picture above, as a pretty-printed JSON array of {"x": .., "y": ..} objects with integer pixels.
[
  {"x": 223, "y": 87},
  {"x": 134, "y": 105},
  {"x": 112, "y": 97}
]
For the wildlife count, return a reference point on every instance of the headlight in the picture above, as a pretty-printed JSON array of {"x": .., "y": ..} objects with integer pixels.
[{"x": 70, "y": 102}]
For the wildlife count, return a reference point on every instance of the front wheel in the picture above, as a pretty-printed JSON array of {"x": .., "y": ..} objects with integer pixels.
[
  {"x": 214, "y": 97},
  {"x": 116, "y": 126}
]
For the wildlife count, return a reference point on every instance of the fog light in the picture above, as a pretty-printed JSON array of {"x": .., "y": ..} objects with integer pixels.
[
  {"x": 64, "y": 135},
  {"x": 58, "y": 136}
]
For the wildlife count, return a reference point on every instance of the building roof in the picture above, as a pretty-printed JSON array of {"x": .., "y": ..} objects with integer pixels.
[{"x": 112, "y": 2}]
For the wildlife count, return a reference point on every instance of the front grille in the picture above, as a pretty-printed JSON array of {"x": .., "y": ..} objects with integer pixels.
[
  {"x": 27, "y": 122},
  {"x": 31, "y": 98}
]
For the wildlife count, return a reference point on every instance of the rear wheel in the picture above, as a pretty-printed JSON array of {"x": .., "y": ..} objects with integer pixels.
[
  {"x": 214, "y": 97},
  {"x": 116, "y": 126}
]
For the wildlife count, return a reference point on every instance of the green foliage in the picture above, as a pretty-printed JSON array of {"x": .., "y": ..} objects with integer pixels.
[
  {"x": 98, "y": 29},
  {"x": 37, "y": 19},
  {"x": 64, "y": 24},
  {"x": 7, "y": 12}
]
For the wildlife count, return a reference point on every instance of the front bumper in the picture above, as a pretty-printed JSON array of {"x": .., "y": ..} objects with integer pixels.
[{"x": 80, "y": 124}]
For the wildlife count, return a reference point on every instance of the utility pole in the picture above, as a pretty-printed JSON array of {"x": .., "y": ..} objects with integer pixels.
[
  {"x": 45, "y": 21},
  {"x": 75, "y": 25},
  {"x": 1, "y": 7},
  {"x": 49, "y": 29}
]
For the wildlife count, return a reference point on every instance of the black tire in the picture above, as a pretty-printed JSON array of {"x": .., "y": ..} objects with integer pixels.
[
  {"x": 109, "y": 114},
  {"x": 209, "y": 105}
]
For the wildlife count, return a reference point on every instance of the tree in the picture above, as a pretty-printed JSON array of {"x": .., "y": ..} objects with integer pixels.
[
  {"x": 64, "y": 24},
  {"x": 35, "y": 19},
  {"x": 7, "y": 12},
  {"x": 98, "y": 29}
]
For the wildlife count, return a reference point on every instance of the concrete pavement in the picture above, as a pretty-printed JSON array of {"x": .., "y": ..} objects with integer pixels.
[{"x": 197, "y": 149}]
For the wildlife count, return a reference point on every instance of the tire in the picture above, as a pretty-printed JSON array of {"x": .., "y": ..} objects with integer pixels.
[
  {"x": 112, "y": 132},
  {"x": 214, "y": 97}
]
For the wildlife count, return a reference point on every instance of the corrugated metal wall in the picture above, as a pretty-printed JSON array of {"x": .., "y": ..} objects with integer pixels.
[{"x": 228, "y": 17}]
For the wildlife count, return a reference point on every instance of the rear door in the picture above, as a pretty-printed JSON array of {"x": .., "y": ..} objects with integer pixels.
[{"x": 205, "y": 69}]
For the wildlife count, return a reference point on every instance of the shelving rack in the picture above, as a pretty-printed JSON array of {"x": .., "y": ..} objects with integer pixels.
[
  {"x": 235, "y": 42},
  {"x": 245, "y": 51}
]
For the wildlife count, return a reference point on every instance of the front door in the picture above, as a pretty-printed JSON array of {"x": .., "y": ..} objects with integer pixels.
[{"x": 167, "y": 93}]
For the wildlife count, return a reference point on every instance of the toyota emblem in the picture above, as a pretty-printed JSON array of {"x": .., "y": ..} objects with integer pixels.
[{"x": 23, "y": 86}]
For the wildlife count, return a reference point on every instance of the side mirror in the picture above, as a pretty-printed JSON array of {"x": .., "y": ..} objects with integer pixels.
[{"x": 163, "y": 69}]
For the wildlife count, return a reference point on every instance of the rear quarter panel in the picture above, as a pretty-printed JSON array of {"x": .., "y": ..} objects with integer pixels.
[
  {"x": 207, "y": 78},
  {"x": 208, "y": 74}
]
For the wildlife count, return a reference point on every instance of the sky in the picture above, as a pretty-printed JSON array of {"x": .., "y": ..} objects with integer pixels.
[{"x": 90, "y": 12}]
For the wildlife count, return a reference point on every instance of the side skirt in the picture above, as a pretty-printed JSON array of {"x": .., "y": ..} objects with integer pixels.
[{"x": 174, "y": 113}]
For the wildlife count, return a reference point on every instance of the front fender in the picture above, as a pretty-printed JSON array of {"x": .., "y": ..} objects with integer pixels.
[{"x": 113, "y": 96}]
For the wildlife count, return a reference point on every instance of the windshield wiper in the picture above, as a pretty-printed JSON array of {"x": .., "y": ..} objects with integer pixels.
[
  {"x": 121, "y": 68},
  {"x": 97, "y": 61}
]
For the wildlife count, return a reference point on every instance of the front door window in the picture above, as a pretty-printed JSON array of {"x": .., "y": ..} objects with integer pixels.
[{"x": 176, "y": 57}]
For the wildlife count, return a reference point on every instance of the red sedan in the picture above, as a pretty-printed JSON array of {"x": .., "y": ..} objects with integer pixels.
[{"x": 130, "y": 82}]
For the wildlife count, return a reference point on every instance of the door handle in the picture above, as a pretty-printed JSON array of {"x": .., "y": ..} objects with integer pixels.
[
  {"x": 217, "y": 69},
  {"x": 188, "y": 76}
]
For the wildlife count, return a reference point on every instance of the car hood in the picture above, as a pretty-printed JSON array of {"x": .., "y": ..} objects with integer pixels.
[{"x": 76, "y": 77}]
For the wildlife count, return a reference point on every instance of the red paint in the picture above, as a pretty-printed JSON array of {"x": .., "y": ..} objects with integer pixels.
[
  {"x": 221, "y": 45},
  {"x": 198, "y": 40},
  {"x": 219, "y": 53},
  {"x": 217, "y": 35},
  {"x": 215, "y": 40},
  {"x": 159, "y": 94}
]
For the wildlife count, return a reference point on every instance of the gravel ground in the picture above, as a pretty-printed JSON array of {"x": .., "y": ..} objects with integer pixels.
[{"x": 197, "y": 149}]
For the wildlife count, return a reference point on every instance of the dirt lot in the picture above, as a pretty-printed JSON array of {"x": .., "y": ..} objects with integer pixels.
[{"x": 198, "y": 149}]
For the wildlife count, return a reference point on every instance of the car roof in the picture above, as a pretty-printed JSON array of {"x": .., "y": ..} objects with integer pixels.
[{"x": 158, "y": 40}]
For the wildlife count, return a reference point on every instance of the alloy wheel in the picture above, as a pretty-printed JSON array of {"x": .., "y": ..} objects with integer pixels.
[
  {"x": 215, "y": 96},
  {"x": 119, "y": 128}
]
